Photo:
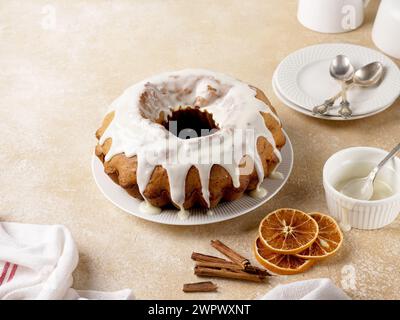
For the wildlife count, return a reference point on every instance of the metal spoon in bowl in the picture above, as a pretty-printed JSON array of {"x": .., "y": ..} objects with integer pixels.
[
  {"x": 340, "y": 69},
  {"x": 363, "y": 188}
]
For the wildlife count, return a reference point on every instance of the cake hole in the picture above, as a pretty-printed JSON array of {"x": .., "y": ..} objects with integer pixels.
[{"x": 190, "y": 123}]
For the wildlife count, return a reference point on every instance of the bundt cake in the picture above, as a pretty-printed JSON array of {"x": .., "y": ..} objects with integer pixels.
[{"x": 190, "y": 138}]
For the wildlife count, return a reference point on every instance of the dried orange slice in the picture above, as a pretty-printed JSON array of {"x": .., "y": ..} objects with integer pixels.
[
  {"x": 329, "y": 238},
  {"x": 283, "y": 264},
  {"x": 288, "y": 231}
]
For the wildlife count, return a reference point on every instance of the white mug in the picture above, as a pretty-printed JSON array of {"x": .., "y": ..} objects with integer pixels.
[
  {"x": 386, "y": 30},
  {"x": 331, "y": 16}
]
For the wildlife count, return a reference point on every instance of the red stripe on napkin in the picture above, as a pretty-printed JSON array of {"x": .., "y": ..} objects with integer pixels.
[
  {"x": 3, "y": 274},
  {"x": 12, "y": 273}
]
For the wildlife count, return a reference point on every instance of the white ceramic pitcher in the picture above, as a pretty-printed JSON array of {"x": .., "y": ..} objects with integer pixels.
[
  {"x": 331, "y": 16},
  {"x": 386, "y": 30}
]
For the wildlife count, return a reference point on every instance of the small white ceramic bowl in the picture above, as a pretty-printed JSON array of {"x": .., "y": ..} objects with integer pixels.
[{"x": 358, "y": 213}]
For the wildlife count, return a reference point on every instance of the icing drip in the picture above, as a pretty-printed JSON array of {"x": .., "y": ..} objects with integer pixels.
[
  {"x": 136, "y": 130},
  {"x": 259, "y": 192},
  {"x": 276, "y": 175},
  {"x": 345, "y": 221},
  {"x": 148, "y": 208},
  {"x": 183, "y": 214}
]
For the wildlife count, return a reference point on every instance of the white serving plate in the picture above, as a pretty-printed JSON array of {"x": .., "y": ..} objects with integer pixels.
[
  {"x": 224, "y": 211},
  {"x": 303, "y": 78},
  {"x": 311, "y": 114}
]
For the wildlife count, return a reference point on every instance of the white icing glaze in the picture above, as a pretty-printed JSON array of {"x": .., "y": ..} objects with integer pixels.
[
  {"x": 233, "y": 106},
  {"x": 344, "y": 221},
  {"x": 259, "y": 192},
  {"x": 183, "y": 214},
  {"x": 275, "y": 175},
  {"x": 148, "y": 208}
]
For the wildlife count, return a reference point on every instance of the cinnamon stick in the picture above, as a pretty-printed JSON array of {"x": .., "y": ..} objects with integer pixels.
[
  {"x": 220, "y": 265},
  {"x": 224, "y": 273},
  {"x": 256, "y": 270},
  {"x": 206, "y": 258},
  {"x": 228, "y": 252},
  {"x": 234, "y": 267},
  {"x": 206, "y": 286}
]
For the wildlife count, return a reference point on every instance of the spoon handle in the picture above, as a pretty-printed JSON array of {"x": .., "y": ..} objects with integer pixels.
[
  {"x": 345, "y": 111},
  {"x": 383, "y": 162},
  {"x": 323, "y": 108},
  {"x": 389, "y": 156}
]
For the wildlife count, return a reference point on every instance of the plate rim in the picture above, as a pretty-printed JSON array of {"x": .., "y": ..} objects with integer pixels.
[
  {"x": 332, "y": 46},
  {"x": 188, "y": 222}
]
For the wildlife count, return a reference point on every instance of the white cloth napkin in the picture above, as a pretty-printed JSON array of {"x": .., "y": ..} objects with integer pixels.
[
  {"x": 37, "y": 261},
  {"x": 314, "y": 289}
]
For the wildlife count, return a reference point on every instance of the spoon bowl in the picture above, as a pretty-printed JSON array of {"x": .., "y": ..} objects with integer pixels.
[
  {"x": 363, "y": 188},
  {"x": 341, "y": 68},
  {"x": 368, "y": 75},
  {"x": 360, "y": 189}
]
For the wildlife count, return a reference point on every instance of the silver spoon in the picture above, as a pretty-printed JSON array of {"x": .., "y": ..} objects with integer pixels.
[
  {"x": 363, "y": 188},
  {"x": 367, "y": 76},
  {"x": 340, "y": 69}
]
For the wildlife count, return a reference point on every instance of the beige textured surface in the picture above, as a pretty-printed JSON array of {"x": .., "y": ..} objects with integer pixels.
[{"x": 57, "y": 80}]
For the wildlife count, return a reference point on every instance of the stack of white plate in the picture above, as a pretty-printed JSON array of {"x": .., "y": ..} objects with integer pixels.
[{"x": 302, "y": 81}]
